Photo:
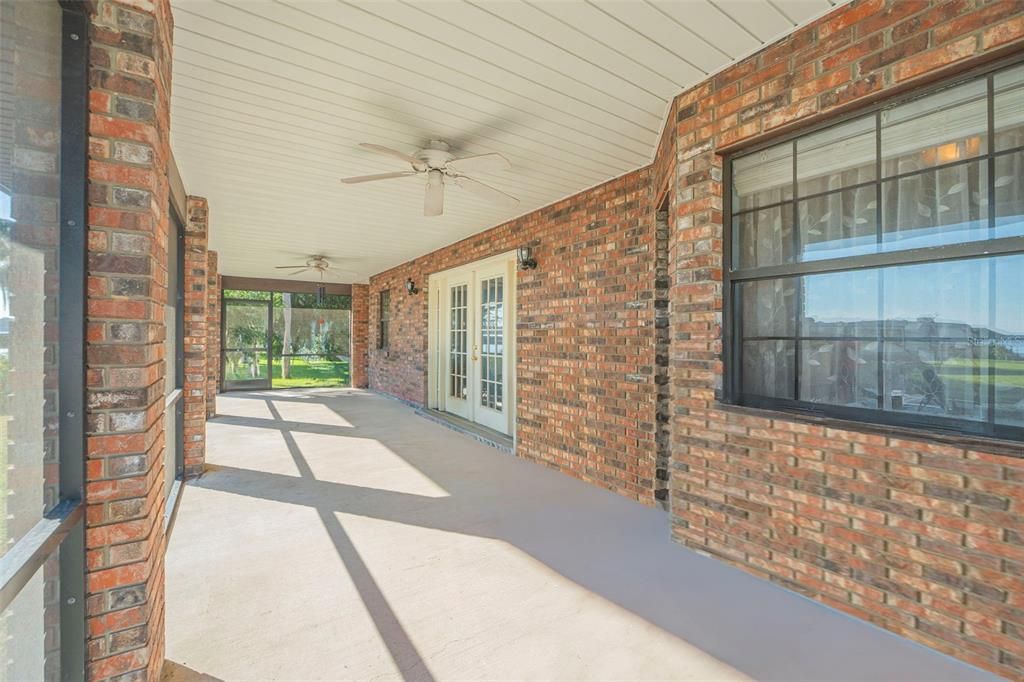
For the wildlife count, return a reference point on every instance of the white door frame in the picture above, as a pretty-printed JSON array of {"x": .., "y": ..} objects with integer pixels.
[{"x": 438, "y": 287}]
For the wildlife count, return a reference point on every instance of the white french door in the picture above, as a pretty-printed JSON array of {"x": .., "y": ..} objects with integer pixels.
[{"x": 472, "y": 320}]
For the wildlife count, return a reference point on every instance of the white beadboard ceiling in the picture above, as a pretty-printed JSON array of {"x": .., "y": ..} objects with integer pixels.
[{"x": 272, "y": 97}]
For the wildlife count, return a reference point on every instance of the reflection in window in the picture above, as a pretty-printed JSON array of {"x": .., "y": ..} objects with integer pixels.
[
  {"x": 933, "y": 339},
  {"x": 30, "y": 162}
]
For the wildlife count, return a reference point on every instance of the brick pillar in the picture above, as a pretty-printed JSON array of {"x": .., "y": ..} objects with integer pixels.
[
  {"x": 695, "y": 295},
  {"x": 196, "y": 262},
  {"x": 129, "y": 99},
  {"x": 212, "y": 334},
  {"x": 360, "y": 334}
]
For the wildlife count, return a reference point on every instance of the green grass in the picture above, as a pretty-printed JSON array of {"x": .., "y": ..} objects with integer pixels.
[
  {"x": 312, "y": 372},
  {"x": 1009, "y": 373},
  {"x": 240, "y": 372}
]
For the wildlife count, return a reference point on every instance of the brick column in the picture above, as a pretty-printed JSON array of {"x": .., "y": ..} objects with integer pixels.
[
  {"x": 196, "y": 262},
  {"x": 212, "y": 334},
  {"x": 128, "y": 225},
  {"x": 360, "y": 334}
]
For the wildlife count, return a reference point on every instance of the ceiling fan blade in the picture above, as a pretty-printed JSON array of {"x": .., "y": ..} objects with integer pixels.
[
  {"x": 289, "y": 267},
  {"x": 378, "y": 176},
  {"x": 380, "y": 149},
  {"x": 298, "y": 272},
  {"x": 486, "y": 163},
  {"x": 486, "y": 192},
  {"x": 433, "y": 203}
]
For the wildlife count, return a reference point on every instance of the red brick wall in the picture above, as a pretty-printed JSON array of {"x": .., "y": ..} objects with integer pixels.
[
  {"x": 212, "y": 334},
  {"x": 360, "y": 332},
  {"x": 196, "y": 333},
  {"x": 585, "y": 341},
  {"x": 128, "y": 226},
  {"x": 922, "y": 538}
]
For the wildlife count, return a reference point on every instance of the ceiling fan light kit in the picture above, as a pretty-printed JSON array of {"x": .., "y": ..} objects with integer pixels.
[{"x": 439, "y": 165}]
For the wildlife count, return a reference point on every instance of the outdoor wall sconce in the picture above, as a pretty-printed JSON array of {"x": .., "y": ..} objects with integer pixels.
[
  {"x": 411, "y": 287},
  {"x": 524, "y": 254}
]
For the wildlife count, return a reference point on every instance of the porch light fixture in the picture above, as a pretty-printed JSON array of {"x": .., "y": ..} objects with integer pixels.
[
  {"x": 411, "y": 287},
  {"x": 524, "y": 254}
]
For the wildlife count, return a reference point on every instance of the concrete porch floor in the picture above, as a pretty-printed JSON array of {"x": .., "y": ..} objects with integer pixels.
[{"x": 338, "y": 535}]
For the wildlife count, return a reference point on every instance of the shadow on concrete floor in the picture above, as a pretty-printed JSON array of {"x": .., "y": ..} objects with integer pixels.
[
  {"x": 176, "y": 672},
  {"x": 610, "y": 546}
]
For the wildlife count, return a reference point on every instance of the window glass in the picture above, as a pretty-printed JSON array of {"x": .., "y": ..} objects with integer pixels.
[
  {"x": 30, "y": 137},
  {"x": 765, "y": 237},
  {"x": 837, "y": 224},
  {"x": 859, "y": 310},
  {"x": 943, "y": 206},
  {"x": 1008, "y": 107},
  {"x": 840, "y": 304},
  {"x": 384, "y": 318},
  {"x": 763, "y": 178},
  {"x": 943, "y": 128},
  {"x": 1009, "y": 197},
  {"x": 769, "y": 307},
  {"x": 947, "y": 337},
  {"x": 837, "y": 157},
  {"x": 768, "y": 368},
  {"x": 30, "y": 628},
  {"x": 311, "y": 340},
  {"x": 840, "y": 372},
  {"x": 1006, "y": 341}
]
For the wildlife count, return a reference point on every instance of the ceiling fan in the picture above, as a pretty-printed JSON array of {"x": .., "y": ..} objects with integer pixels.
[
  {"x": 318, "y": 263},
  {"x": 441, "y": 166}
]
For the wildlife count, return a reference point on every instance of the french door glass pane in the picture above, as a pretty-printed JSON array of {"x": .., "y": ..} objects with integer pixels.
[
  {"x": 492, "y": 326},
  {"x": 458, "y": 339},
  {"x": 30, "y": 138}
]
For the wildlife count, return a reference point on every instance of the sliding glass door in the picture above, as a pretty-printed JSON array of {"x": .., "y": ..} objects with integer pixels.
[
  {"x": 285, "y": 339},
  {"x": 246, "y": 343}
]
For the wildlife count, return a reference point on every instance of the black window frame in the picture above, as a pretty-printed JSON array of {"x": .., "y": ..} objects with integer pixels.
[
  {"x": 384, "y": 319},
  {"x": 176, "y": 260},
  {"x": 731, "y": 392}
]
